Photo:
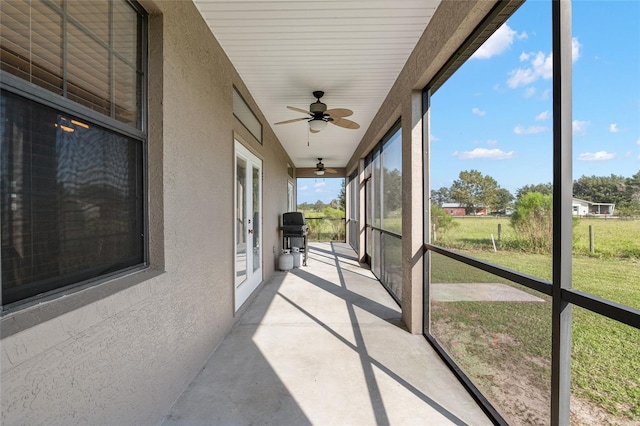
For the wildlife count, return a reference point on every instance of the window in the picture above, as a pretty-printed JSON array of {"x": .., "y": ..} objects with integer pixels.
[
  {"x": 291, "y": 207},
  {"x": 243, "y": 113},
  {"x": 73, "y": 146},
  {"x": 383, "y": 203},
  {"x": 353, "y": 208}
]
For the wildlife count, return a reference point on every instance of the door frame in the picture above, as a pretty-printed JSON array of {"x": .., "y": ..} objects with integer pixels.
[{"x": 254, "y": 276}]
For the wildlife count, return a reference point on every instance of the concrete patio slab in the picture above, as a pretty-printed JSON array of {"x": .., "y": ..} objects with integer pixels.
[
  {"x": 479, "y": 292},
  {"x": 324, "y": 345}
]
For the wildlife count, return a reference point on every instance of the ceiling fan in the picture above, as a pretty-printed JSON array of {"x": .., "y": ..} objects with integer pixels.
[
  {"x": 321, "y": 169},
  {"x": 319, "y": 115}
]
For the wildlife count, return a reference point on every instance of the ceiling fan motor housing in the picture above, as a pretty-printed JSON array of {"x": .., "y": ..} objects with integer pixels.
[{"x": 317, "y": 107}]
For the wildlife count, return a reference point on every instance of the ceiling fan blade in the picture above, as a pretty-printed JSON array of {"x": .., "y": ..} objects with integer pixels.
[
  {"x": 347, "y": 124},
  {"x": 336, "y": 113},
  {"x": 329, "y": 170},
  {"x": 292, "y": 121},
  {"x": 299, "y": 110}
]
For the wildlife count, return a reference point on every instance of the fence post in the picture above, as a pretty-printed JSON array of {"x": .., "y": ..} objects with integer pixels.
[
  {"x": 500, "y": 234},
  {"x": 435, "y": 236},
  {"x": 591, "y": 240}
]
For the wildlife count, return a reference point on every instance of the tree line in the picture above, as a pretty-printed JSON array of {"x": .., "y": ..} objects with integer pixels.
[{"x": 472, "y": 190}]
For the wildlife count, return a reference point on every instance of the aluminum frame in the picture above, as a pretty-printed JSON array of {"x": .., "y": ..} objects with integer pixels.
[{"x": 563, "y": 296}]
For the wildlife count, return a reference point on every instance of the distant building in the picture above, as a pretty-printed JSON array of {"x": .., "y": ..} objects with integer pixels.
[
  {"x": 457, "y": 209},
  {"x": 587, "y": 208}
]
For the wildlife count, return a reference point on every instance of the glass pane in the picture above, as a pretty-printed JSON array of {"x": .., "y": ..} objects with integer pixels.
[
  {"x": 15, "y": 39},
  {"x": 606, "y": 150},
  {"x": 290, "y": 199},
  {"x": 125, "y": 32},
  {"x": 93, "y": 15},
  {"x": 71, "y": 200},
  {"x": 241, "y": 220},
  {"x": 605, "y": 371},
  {"x": 368, "y": 211},
  {"x": 492, "y": 148},
  {"x": 376, "y": 254},
  {"x": 88, "y": 71},
  {"x": 392, "y": 183},
  {"x": 31, "y": 39},
  {"x": 257, "y": 263},
  {"x": 392, "y": 274},
  {"x": 376, "y": 199},
  {"x": 125, "y": 93},
  {"x": 498, "y": 333},
  {"x": 46, "y": 47}
]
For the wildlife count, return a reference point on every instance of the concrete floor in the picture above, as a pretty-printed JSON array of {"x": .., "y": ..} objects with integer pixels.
[{"x": 324, "y": 345}]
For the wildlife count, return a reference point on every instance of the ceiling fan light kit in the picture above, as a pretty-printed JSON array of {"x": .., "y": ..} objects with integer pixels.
[{"x": 317, "y": 125}]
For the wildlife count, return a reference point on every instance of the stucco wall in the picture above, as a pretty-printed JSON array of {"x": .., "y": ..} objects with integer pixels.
[{"x": 121, "y": 352}]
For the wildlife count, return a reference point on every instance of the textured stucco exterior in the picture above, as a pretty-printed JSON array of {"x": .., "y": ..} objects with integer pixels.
[{"x": 122, "y": 351}]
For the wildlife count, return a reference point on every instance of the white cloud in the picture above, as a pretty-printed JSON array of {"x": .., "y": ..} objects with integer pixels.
[
  {"x": 433, "y": 138},
  {"x": 529, "y": 92},
  {"x": 638, "y": 142},
  {"x": 319, "y": 185},
  {"x": 303, "y": 188},
  {"x": 540, "y": 66},
  {"x": 478, "y": 112},
  {"x": 499, "y": 41},
  {"x": 596, "y": 156},
  {"x": 580, "y": 126},
  {"x": 483, "y": 153},
  {"x": 576, "y": 47},
  {"x": 492, "y": 142},
  {"x": 519, "y": 130},
  {"x": 543, "y": 116},
  {"x": 613, "y": 128}
]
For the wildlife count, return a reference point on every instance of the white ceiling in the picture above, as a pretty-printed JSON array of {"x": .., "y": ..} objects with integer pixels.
[{"x": 353, "y": 50}]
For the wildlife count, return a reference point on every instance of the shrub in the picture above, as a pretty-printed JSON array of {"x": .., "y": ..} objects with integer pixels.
[
  {"x": 533, "y": 221},
  {"x": 442, "y": 221}
]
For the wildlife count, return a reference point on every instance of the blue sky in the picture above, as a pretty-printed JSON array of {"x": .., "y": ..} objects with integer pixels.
[
  {"x": 324, "y": 189},
  {"x": 495, "y": 114}
]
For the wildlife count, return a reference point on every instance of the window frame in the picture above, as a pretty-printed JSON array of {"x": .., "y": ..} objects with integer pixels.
[{"x": 32, "y": 92}]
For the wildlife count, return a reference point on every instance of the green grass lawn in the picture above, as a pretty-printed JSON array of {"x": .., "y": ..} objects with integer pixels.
[
  {"x": 605, "y": 353},
  {"x": 612, "y": 237}
]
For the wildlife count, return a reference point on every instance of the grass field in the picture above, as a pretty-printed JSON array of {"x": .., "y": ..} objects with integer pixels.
[
  {"x": 612, "y": 237},
  {"x": 605, "y": 353}
]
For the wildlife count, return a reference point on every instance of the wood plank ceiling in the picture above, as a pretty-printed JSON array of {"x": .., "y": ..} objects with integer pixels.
[{"x": 353, "y": 50}]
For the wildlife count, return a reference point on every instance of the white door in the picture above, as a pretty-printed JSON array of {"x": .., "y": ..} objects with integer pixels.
[{"x": 248, "y": 214}]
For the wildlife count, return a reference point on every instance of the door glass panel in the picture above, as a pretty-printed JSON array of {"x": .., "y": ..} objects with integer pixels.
[
  {"x": 241, "y": 221},
  {"x": 256, "y": 218}
]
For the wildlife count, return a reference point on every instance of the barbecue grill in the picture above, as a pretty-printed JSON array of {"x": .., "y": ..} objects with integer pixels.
[{"x": 294, "y": 233}]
